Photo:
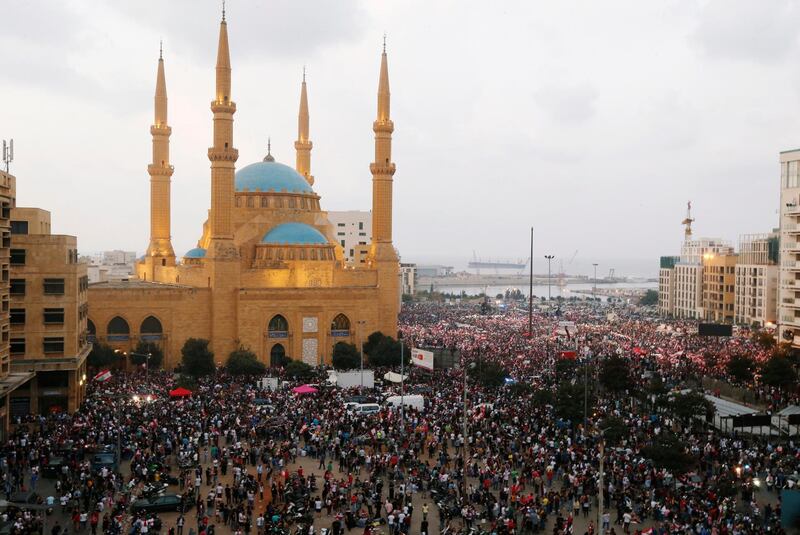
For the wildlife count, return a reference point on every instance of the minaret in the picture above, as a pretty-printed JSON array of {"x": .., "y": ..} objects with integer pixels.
[
  {"x": 382, "y": 256},
  {"x": 160, "y": 251},
  {"x": 303, "y": 144},
  {"x": 222, "y": 155},
  {"x": 382, "y": 171}
]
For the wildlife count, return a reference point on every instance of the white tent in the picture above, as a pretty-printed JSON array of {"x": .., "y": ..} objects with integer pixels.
[{"x": 394, "y": 377}]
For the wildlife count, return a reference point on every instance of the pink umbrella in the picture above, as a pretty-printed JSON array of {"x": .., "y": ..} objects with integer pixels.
[{"x": 304, "y": 389}]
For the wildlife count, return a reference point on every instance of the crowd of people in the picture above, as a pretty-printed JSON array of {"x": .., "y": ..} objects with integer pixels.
[{"x": 244, "y": 459}]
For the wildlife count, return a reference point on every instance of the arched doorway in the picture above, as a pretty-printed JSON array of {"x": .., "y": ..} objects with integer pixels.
[
  {"x": 278, "y": 327},
  {"x": 118, "y": 330},
  {"x": 277, "y": 356},
  {"x": 340, "y": 326},
  {"x": 151, "y": 329}
]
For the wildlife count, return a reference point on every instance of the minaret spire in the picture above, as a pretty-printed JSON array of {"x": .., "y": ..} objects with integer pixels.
[
  {"x": 222, "y": 154},
  {"x": 382, "y": 171},
  {"x": 160, "y": 252},
  {"x": 303, "y": 144}
]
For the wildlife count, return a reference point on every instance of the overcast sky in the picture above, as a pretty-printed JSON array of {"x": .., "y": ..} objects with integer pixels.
[{"x": 593, "y": 122}]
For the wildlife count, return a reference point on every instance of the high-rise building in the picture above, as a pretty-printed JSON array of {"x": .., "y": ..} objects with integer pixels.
[
  {"x": 757, "y": 280},
  {"x": 789, "y": 285},
  {"x": 49, "y": 291},
  {"x": 719, "y": 279},
  {"x": 666, "y": 285},
  {"x": 688, "y": 275},
  {"x": 408, "y": 274},
  {"x": 353, "y": 232}
]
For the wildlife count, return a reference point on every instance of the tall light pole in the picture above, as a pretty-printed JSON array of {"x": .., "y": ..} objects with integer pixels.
[
  {"x": 549, "y": 257},
  {"x": 464, "y": 445},
  {"x": 594, "y": 287},
  {"x": 600, "y": 482},
  {"x": 530, "y": 294}
]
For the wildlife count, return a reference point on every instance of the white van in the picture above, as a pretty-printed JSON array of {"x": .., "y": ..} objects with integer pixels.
[
  {"x": 415, "y": 401},
  {"x": 367, "y": 408}
]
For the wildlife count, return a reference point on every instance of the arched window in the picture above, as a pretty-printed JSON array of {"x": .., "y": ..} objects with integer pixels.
[
  {"x": 277, "y": 356},
  {"x": 118, "y": 329},
  {"x": 151, "y": 329},
  {"x": 91, "y": 331},
  {"x": 340, "y": 326},
  {"x": 278, "y": 327}
]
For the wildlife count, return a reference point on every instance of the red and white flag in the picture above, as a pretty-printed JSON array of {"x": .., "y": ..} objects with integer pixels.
[
  {"x": 422, "y": 358},
  {"x": 103, "y": 376}
]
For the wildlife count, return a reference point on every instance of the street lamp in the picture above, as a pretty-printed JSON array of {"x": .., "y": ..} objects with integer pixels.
[
  {"x": 594, "y": 288},
  {"x": 600, "y": 505},
  {"x": 464, "y": 445},
  {"x": 549, "y": 257}
]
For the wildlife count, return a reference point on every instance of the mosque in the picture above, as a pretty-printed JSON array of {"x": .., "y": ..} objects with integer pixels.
[{"x": 268, "y": 273}]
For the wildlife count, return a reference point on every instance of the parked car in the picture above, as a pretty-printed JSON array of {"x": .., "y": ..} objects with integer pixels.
[
  {"x": 52, "y": 470},
  {"x": 167, "y": 502},
  {"x": 101, "y": 460}
]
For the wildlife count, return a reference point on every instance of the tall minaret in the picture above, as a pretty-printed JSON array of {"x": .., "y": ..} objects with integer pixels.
[
  {"x": 222, "y": 155},
  {"x": 382, "y": 171},
  {"x": 382, "y": 256},
  {"x": 303, "y": 144},
  {"x": 160, "y": 251}
]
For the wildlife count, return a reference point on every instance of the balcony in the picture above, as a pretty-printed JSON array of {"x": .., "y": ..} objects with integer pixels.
[
  {"x": 792, "y": 247},
  {"x": 791, "y": 228},
  {"x": 791, "y": 303},
  {"x": 792, "y": 209}
]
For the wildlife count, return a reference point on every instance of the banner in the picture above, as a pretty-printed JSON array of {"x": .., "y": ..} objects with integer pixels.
[
  {"x": 103, "y": 376},
  {"x": 566, "y": 328},
  {"x": 422, "y": 358}
]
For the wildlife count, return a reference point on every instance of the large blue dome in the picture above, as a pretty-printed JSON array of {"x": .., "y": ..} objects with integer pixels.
[
  {"x": 295, "y": 234},
  {"x": 274, "y": 176},
  {"x": 197, "y": 252}
]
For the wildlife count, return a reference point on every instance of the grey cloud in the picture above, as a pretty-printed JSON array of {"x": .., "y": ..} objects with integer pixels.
[
  {"x": 746, "y": 30},
  {"x": 571, "y": 105}
]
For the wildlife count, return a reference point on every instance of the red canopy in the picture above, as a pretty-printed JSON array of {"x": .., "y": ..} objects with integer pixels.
[
  {"x": 304, "y": 389},
  {"x": 179, "y": 392}
]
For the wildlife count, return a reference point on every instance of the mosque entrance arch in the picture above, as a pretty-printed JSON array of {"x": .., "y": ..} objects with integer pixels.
[{"x": 277, "y": 356}]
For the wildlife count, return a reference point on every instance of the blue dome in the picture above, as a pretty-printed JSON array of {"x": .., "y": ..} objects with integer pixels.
[
  {"x": 266, "y": 176},
  {"x": 197, "y": 252},
  {"x": 295, "y": 234}
]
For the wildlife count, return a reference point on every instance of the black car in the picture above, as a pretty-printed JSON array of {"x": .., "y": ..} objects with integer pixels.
[
  {"x": 52, "y": 470},
  {"x": 167, "y": 502}
]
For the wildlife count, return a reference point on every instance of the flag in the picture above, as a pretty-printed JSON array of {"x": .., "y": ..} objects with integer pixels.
[
  {"x": 103, "y": 376},
  {"x": 571, "y": 355},
  {"x": 566, "y": 328},
  {"x": 422, "y": 358}
]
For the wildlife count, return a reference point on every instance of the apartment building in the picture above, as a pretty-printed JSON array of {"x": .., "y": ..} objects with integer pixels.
[
  {"x": 353, "y": 232},
  {"x": 408, "y": 278},
  {"x": 756, "y": 289},
  {"x": 719, "y": 280},
  {"x": 48, "y": 315},
  {"x": 688, "y": 302},
  {"x": 666, "y": 285},
  {"x": 789, "y": 274}
]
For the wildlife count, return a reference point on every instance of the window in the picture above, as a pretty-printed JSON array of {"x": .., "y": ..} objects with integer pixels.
[
  {"x": 53, "y": 316},
  {"x": 83, "y": 283},
  {"x": 250, "y": 202},
  {"x": 340, "y": 233},
  {"x": 340, "y": 224},
  {"x": 19, "y": 227},
  {"x": 264, "y": 202},
  {"x": 17, "y": 287},
  {"x": 17, "y": 316},
  {"x": 18, "y": 257},
  {"x": 53, "y": 344},
  {"x": 54, "y": 286},
  {"x": 17, "y": 346},
  {"x": 342, "y": 243},
  {"x": 360, "y": 225}
]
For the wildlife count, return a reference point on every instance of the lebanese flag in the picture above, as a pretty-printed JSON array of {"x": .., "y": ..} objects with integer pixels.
[
  {"x": 103, "y": 376},
  {"x": 571, "y": 355}
]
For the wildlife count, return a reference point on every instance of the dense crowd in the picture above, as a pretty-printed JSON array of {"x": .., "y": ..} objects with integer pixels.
[{"x": 245, "y": 459}]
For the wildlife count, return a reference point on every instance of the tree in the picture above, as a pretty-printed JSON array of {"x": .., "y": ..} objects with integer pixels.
[
  {"x": 196, "y": 359},
  {"x": 690, "y": 405},
  {"x": 615, "y": 375},
  {"x": 101, "y": 355},
  {"x": 650, "y": 297},
  {"x": 142, "y": 350},
  {"x": 741, "y": 368},
  {"x": 778, "y": 371},
  {"x": 614, "y": 430},
  {"x": 489, "y": 374},
  {"x": 668, "y": 451},
  {"x": 764, "y": 339},
  {"x": 244, "y": 362},
  {"x": 345, "y": 356},
  {"x": 566, "y": 368},
  {"x": 386, "y": 352},
  {"x": 372, "y": 342},
  {"x": 520, "y": 389},
  {"x": 569, "y": 402},
  {"x": 298, "y": 369},
  {"x": 543, "y": 397}
]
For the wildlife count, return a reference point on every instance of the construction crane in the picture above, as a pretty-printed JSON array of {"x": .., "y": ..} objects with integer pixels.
[
  {"x": 687, "y": 233},
  {"x": 562, "y": 277}
]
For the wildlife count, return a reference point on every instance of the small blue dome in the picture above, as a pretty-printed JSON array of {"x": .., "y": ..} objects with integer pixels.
[
  {"x": 266, "y": 176},
  {"x": 197, "y": 252},
  {"x": 295, "y": 234}
]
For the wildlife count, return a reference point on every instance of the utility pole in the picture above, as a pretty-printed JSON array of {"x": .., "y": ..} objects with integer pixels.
[
  {"x": 549, "y": 257},
  {"x": 594, "y": 287},
  {"x": 402, "y": 391},
  {"x": 464, "y": 445}
]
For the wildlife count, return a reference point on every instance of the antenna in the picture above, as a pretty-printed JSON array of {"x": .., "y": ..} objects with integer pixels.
[{"x": 8, "y": 152}]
